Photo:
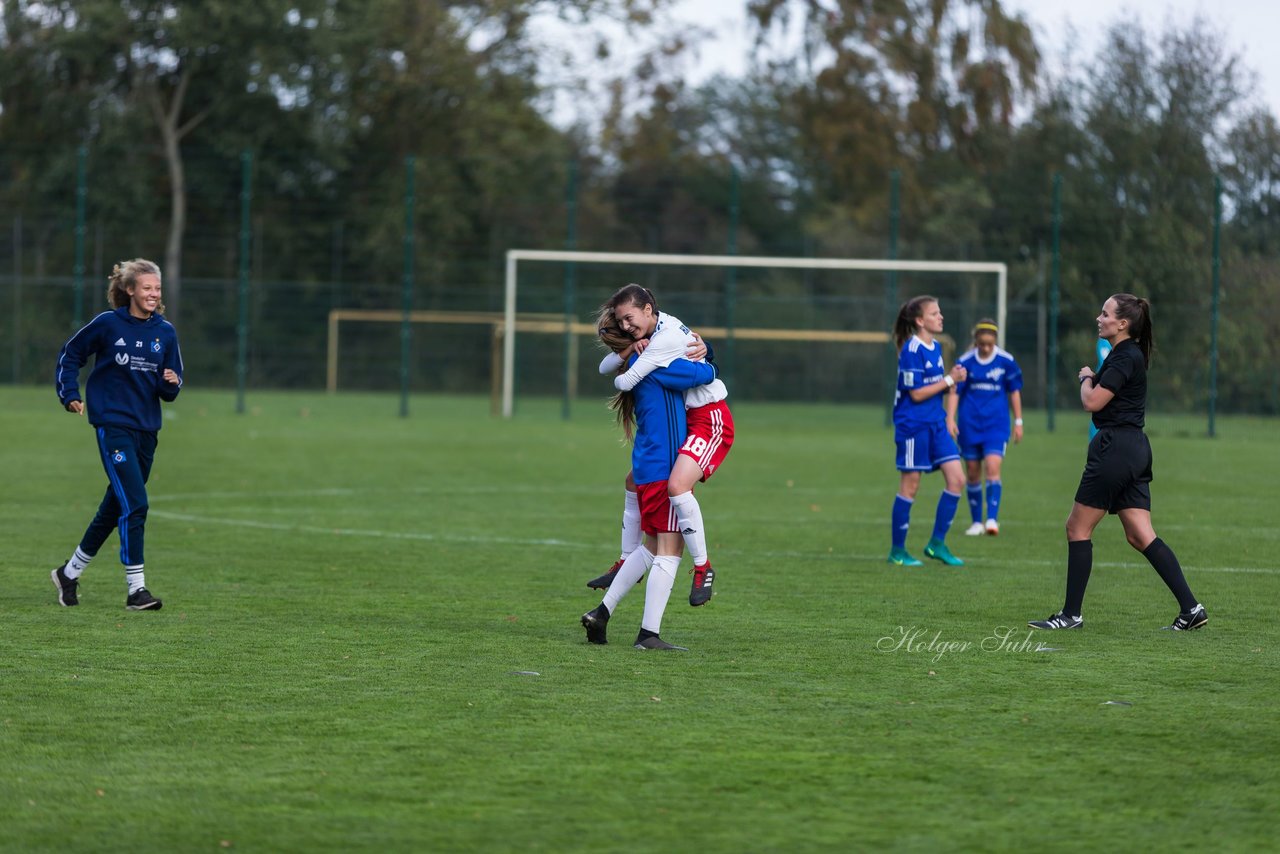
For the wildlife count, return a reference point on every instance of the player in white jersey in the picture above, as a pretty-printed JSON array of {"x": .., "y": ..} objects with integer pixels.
[{"x": 710, "y": 425}]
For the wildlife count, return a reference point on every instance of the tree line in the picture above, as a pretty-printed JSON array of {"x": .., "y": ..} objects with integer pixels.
[{"x": 945, "y": 111}]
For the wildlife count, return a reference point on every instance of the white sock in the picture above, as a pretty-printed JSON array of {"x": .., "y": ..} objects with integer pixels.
[
  {"x": 631, "y": 533},
  {"x": 689, "y": 514},
  {"x": 661, "y": 579},
  {"x": 133, "y": 576},
  {"x": 77, "y": 563},
  {"x": 635, "y": 566}
]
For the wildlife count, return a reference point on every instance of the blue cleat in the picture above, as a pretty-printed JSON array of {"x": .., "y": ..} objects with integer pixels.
[
  {"x": 938, "y": 550},
  {"x": 900, "y": 557}
]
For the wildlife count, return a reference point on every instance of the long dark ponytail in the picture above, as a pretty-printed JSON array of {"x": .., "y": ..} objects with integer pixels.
[
  {"x": 905, "y": 326},
  {"x": 1137, "y": 311}
]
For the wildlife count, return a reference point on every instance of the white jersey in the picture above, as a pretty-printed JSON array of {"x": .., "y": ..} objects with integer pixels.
[{"x": 670, "y": 341}]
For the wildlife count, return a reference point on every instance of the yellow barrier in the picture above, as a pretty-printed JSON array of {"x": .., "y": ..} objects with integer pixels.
[{"x": 558, "y": 323}]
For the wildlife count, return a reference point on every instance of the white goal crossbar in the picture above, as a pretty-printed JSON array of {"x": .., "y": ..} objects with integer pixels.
[{"x": 515, "y": 256}]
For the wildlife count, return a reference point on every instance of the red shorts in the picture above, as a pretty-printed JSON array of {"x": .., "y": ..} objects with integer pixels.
[
  {"x": 710, "y": 436},
  {"x": 657, "y": 516}
]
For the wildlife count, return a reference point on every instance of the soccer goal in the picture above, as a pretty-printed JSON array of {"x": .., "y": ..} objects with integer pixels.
[{"x": 517, "y": 257}]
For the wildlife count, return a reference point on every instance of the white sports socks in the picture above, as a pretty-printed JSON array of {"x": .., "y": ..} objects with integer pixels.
[
  {"x": 134, "y": 577},
  {"x": 661, "y": 579},
  {"x": 77, "y": 563},
  {"x": 631, "y": 533},
  {"x": 635, "y": 566},
  {"x": 689, "y": 514}
]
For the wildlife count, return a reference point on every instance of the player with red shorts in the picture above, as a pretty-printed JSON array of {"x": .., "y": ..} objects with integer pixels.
[
  {"x": 655, "y": 406},
  {"x": 709, "y": 432}
]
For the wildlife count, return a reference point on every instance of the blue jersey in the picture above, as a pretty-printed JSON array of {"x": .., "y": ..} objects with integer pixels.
[
  {"x": 660, "y": 418},
  {"x": 984, "y": 395},
  {"x": 919, "y": 365},
  {"x": 130, "y": 355}
]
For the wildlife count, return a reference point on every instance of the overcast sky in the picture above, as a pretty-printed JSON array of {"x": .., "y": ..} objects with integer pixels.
[{"x": 1252, "y": 28}]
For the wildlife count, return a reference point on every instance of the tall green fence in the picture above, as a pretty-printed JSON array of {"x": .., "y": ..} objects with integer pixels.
[{"x": 261, "y": 283}]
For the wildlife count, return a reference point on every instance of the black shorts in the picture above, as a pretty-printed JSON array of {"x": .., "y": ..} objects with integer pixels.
[{"x": 1117, "y": 474}]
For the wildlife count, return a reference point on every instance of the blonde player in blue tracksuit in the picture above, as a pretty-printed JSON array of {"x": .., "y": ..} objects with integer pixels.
[
  {"x": 923, "y": 430},
  {"x": 137, "y": 364},
  {"x": 993, "y": 387}
]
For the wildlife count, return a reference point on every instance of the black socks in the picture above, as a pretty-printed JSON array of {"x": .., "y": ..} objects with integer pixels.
[
  {"x": 1166, "y": 564},
  {"x": 1079, "y": 565}
]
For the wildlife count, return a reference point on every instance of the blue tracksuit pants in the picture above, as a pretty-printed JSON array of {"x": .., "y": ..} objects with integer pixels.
[{"x": 126, "y": 455}]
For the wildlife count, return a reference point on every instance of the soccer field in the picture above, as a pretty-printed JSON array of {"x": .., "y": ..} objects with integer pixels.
[{"x": 370, "y": 641}]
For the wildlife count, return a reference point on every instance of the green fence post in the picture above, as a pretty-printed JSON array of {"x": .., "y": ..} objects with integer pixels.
[
  {"x": 335, "y": 263},
  {"x": 570, "y": 283},
  {"x": 731, "y": 273},
  {"x": 891, "y": 294},
  {"x": 246, "y": 233},
  {"x": 1054, "y": 282},
  {"x": 407, "y": 287},
  {"x": 82, "y": 194},
  {"x": 1217, "y": 292},
  {"x": 17, "y": 299}
]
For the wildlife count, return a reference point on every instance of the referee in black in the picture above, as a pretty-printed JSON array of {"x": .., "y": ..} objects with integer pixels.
[{"x": 1117, "y": 475}]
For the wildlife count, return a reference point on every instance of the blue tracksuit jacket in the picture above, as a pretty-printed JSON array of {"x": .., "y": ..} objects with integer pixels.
[{"x": 130, "y": 355}]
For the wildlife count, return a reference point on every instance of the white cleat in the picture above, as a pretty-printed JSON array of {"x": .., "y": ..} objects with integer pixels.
[
  {"x": 975, "y": 530},
  {"x": 993, "y": 527}
]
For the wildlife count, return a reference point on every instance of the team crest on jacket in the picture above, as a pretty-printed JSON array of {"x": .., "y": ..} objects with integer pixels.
[
  {"x": 155, "y": 346},
  {"x": 117, "y": 456}
]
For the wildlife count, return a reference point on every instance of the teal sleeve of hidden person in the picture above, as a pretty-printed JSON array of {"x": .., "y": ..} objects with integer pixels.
[{"x": 1103, "y": 350}]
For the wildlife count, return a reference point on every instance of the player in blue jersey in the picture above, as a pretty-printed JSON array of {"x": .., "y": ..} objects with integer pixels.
[
  {"x": 137, "y": 364},
  {"x": 1117, "y": 473},
  {"x": 655, "y": 409},
  {"x": 923, "y": 431},
  {"x": 992, "y": 388}
]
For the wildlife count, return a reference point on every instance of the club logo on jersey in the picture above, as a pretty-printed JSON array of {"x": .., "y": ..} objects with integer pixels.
[
  {"x": 155, "y": 346},
  {"x": 117, "y": 456},
  {"x": 120, "y": 343},
  {"x": 995, "y": 374},
  {"x": 122, "y": 358}
]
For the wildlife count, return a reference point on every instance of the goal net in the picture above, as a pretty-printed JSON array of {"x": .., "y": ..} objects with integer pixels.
[{"x": 816, "y": 328}]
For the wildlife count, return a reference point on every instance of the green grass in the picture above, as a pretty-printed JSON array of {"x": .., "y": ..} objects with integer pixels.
[{"x": 350, "y": 596}]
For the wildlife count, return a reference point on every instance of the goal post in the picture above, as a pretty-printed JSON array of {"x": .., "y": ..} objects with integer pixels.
[{"x": 515, "y": 256}]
